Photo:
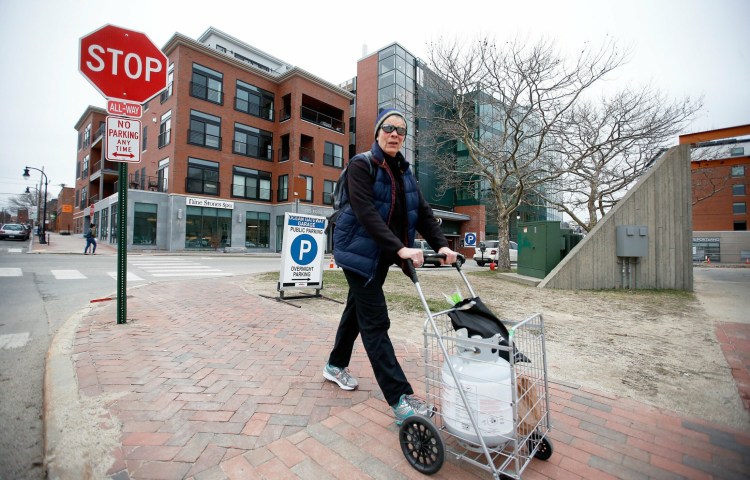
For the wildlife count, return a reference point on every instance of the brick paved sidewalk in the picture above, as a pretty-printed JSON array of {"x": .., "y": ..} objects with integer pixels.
[{"x": 209, "y": 381}]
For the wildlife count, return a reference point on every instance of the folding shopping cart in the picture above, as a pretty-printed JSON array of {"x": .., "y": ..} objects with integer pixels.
[{"x": 488, "y": 381}]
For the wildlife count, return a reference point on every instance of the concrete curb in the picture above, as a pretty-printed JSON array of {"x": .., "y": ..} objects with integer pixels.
[
  {"x": 61, "y": 385},
  {"x": 79, "y": 433}
]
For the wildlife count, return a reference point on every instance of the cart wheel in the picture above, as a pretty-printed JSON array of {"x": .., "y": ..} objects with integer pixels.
[
  {"x": 421, "y": 444},
  {"x": 544, "y": 450}
]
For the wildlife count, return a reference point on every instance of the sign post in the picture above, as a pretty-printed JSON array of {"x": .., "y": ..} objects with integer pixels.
[
  {"x": 302, "y": 253},
  {"x": 128, "y": 70}
]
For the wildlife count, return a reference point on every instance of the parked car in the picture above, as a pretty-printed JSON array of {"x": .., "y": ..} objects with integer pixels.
[
  {"x": 13, "y": 231},
  {"x": 492, "y": 252},
  {"x": 427, "y": 250}
]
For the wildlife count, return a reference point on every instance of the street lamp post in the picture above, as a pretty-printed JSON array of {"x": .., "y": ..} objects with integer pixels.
[{"x": 43, "y": 232}]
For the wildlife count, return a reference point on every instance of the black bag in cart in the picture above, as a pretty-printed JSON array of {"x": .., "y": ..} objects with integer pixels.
[{"x": 479, "y": 320}]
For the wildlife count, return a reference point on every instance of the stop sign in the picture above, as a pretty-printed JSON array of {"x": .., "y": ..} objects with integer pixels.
[{"x": 122, "y": 64}]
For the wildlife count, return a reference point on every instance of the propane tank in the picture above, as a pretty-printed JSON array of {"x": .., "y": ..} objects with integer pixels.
[{"x": 484, "y": 377}]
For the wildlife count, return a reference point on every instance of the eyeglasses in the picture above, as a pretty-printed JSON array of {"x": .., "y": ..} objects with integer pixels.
[{"x": 388, "y": 128}]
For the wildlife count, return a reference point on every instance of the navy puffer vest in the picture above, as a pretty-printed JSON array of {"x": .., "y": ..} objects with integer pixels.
[{"x": 353, "y": 247}]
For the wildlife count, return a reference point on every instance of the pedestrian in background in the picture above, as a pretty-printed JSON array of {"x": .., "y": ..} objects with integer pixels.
[
  {"x": 90, "y": 240},
  {"x": 376, "y": 229}
]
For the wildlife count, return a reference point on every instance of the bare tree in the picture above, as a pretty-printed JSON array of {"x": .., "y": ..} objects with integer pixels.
[
  {"x": 606, "y": 145},
  {"x": 28, "y": 201},
  {"x": 495, "y": 115}
]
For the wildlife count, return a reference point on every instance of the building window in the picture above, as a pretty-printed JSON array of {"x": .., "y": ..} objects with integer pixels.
[
  {"x": 328, "y": 188},
  {"x": 737, "y": 151},
  {"x": 257, "y": 230},
  {"x": 207, "y": 84},
  {"x": 145, "y": 138},
  {"x": 333, "y": 155},
  {"x": 283, "y": 191},
  {"x": 738, "y": 189},
  {"x": 204, "y": 130},
  {"x": 87, "y": 136},
  {"x": 85, "y": 167},
  {"x": 738, "y": 208},
  {"x": 144, "y": 223},
  {"x": 253, "y": 100},
  {"x": 165, "y": 129},
  {"x": 740, "y": 226},
  {"x": 738, "y": 170},
  {"x": 308, "y": 197},
  {"x": 203, "y": 177},
  {"x": 252, "y": 142},
  {"x": 84, "y": 197},
  {"x": 252, "y": 184},
  {"x": 162, "y": 175},
  {"x": 167, "y": 92},
  {"x": 207, "y": 227}
]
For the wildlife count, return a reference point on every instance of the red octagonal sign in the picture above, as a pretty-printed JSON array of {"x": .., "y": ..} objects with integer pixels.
[{"x": 122, "y": 64}]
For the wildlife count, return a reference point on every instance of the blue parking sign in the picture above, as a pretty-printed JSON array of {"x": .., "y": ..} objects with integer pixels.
[{"x": 470, "y": 239}]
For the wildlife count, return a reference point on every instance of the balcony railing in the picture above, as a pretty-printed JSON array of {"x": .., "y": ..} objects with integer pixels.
[
  {"x": 283, "y": 154},
  {"x": 164, "y": 138},
  {"x": 251, "y": 192},
  {"x": 197, "y": 185},
  {"x": 144, "y": 183},
  {"x": 285, "y": 113},
  {"x": 196, "y": 137},
  {"x": 248, "y": 150},
  {"x": 322, "y": 119},
  {"x": 209, "y": 94}
]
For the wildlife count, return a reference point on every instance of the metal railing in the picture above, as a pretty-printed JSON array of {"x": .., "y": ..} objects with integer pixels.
[
  {"x": 196, "y": 137},
  {"x": 321, "y": 119}
]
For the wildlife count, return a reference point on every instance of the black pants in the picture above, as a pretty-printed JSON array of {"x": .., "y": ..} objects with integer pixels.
[{"x": 366, "y": 314}]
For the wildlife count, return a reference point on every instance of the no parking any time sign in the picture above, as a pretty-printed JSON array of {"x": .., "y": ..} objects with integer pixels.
[
  {"x": 123, "y": 140},
  {"x": 302, "y": 252}
]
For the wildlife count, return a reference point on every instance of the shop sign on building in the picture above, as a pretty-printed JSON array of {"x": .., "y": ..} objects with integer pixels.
[
  {"x": 302, "y": 252},
  {"x": 208, "y": 202}
]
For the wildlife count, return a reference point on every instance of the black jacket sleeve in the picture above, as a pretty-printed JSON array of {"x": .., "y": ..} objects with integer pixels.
[{"x": 359, "y": 182}]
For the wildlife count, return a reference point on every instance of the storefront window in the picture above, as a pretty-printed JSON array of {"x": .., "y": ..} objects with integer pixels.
[
  {"x": 257, "y": 229},
  {"x": 208, "y": 228},
  {"x": 144, "y": 224}
]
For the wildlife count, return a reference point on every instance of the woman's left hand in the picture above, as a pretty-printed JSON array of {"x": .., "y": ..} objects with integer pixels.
[{"x": 450, "y": 256}]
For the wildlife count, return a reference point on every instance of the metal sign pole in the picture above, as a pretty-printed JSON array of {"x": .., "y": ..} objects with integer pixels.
[{"x": 122, "y": 244}]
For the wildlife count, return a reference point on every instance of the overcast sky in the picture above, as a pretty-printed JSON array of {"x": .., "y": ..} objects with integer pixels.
[{"x": 683, "y": 47}]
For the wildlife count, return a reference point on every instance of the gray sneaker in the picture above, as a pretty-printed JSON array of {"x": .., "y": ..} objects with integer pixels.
[
  {"x": 340, "y": 376},
  {"x": 408, "y": 406}
]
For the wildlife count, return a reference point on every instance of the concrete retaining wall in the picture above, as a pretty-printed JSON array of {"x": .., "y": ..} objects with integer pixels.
[{"x": 661, "y": 200}]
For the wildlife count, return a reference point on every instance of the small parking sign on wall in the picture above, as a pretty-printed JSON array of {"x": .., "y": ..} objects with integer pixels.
[{"x": 470, "y": 239}]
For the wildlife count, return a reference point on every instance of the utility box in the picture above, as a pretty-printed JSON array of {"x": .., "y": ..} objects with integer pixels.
[
  {"x": 632, "y": 240},
  {"x": 541, "y": 246}
]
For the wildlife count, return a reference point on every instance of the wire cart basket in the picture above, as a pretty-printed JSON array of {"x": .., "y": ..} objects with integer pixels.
[{"x": 488, "y": 381}]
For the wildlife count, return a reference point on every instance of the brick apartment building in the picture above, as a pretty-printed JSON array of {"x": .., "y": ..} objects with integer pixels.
[
  {"x": 721, "y": 169},
  {"x": 237, "y": 139}
]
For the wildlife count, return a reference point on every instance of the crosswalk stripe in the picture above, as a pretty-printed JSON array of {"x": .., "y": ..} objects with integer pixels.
[
  {"x": 11, "y": 272},
  {"x": 13, "y": 340},
  {"x": 68, "y": 275},
  {"x": 216, "y": 273},
  {"x": 15, "y": 250}
]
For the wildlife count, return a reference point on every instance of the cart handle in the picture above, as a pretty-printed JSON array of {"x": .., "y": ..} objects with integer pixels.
[{"x": 413, "y": 271}]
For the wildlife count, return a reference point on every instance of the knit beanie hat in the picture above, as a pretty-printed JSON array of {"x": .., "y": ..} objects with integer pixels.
[{"x": 389, "y": 112}]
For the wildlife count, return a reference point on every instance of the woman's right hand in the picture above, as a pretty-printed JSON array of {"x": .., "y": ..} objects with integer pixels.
[{"x": 414, "y": 254}]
